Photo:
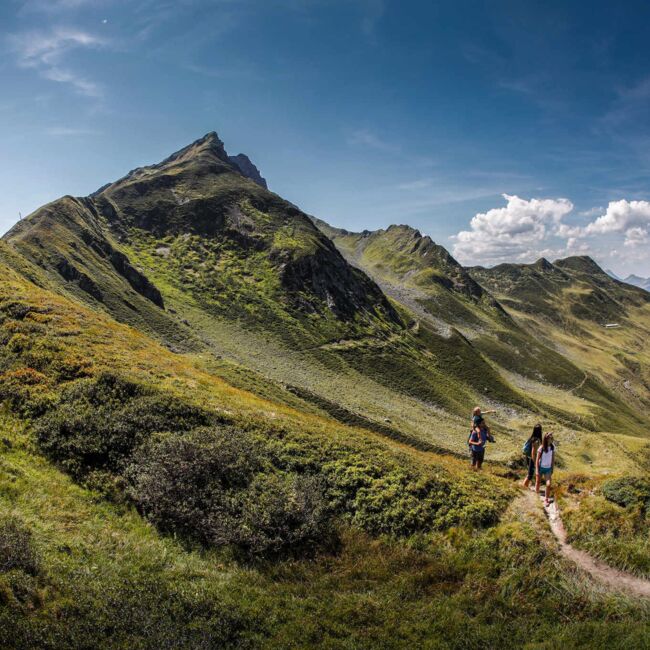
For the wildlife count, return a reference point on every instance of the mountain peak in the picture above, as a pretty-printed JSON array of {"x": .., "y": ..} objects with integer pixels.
[
  {"x": 543, "y": 264},
  {"x": 210, "y": 143},
  {"x": 580, "y": 263}
]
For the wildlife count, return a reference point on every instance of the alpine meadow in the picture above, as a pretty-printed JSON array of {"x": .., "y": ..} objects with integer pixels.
[{"x": 226, "y": 422}]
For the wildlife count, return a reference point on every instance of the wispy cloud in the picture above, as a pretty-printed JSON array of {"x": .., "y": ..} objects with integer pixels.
[
  {"x": 413, "y": 186},
  {"x": 59, "y": 6},
  {"x": 369, "y": 139},
  {"x": 592, "y": 212},
  {"x": 45, "y": 51},
  {"x": 373, "y": 10},
  {"x": 69, "y": 131}
]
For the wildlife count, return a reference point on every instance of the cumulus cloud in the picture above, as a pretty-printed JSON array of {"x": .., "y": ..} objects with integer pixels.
[
  {"x": 629, "y": 217},
  {"x": 516, "y": 231},
  {"x": 45, "y": 52},
  {"x": 637, "y": 237}
]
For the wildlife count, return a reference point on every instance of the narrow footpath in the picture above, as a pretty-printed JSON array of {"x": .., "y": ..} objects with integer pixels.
[{"x": 613, "y": 578}]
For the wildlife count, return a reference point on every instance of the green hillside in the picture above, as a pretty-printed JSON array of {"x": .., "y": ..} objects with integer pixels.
[
  {"x": 209, "y": 262},
  {"x": 225, "y": 424},
  {"x": 481, "y": 304},
  {"x": 383, "y": 545}
]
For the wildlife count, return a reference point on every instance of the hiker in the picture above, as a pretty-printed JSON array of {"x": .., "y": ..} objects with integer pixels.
[
  {"x": 478, "y": 420},
  {"x": 477, "y": 441},
  {"x": 545, "y": 462},
  {"x": 530, "y": 452}
]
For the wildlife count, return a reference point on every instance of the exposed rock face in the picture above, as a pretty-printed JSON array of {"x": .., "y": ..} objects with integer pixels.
[
  {"x": 248, "y": 169},
  {"x": 69, "y": 272}
]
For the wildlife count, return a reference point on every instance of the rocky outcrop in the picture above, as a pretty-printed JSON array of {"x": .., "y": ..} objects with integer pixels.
[
  {"x": 248, "y": 169},
  {"x": 71, "y": 273}
]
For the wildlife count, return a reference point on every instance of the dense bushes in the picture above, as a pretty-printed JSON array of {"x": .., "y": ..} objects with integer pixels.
[
  {"x": 261, "y": 489},
  {"x": 211, "y": 485},
  {"x": 98, "y": 423},
  {"x": 627, "y": 491}
]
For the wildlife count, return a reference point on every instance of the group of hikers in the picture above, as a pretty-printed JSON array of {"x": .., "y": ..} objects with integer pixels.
[{"x": 538, "y": 450}]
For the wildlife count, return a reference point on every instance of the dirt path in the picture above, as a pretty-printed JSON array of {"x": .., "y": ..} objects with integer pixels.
[
  {"x": 581, "y": 384},
  {"x": 613, "y": 578}
]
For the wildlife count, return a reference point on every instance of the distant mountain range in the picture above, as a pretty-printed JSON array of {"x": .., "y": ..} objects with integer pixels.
[
  {"x": 635, "y": 280},
  {"x": 644, "y": 283}
]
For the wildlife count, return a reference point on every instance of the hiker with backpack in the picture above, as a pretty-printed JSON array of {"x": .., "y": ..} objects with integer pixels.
[
  {"x": 545, "y": 461},
  {"x": 530, "y": 449}
]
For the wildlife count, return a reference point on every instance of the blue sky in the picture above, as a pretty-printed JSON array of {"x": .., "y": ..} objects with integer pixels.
[{"x": 504, "y": 129}]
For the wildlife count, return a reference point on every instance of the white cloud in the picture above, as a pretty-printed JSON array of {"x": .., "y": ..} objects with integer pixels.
[
  {"x": 629, "y": 218},
  {"x": 637, "y": 237},
  {"x": 514, "y": 232},
  {"x": 621, "y": 216},
  {"x": 45, "y": 51},
  {"x": 592, "y": 212}
]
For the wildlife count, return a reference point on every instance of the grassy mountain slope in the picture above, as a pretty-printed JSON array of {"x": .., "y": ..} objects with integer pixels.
[
  {"x": 423, "y": 277},
  {"x": 79, "y": 565},
  {"x": 567, "y": 304},
  {"x": 210, "y": 262}
]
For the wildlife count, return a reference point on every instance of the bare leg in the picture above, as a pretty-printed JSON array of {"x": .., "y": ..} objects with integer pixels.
[
  {"x": 548, "y": 491},
  {"x": 538, "y": 480}
]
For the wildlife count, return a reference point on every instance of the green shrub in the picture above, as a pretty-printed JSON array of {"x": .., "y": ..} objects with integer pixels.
[
  {"x": 210, "y": 485},
  {"x": 26, "y": 390},
  {"x": 98, "y": 423},
  {"x": 16, "y": 547},
  {"x": 627, "y": 491}
]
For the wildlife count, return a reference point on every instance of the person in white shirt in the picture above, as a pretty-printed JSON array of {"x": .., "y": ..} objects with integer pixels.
[{"x": 544, "y": 465}]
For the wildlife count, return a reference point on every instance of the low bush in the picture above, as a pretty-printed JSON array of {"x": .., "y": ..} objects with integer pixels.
[
  {"x": 627, "y": 491},
  {"x": 211, "y": 485},
  {"x": 26, "y": 390},
  {"x": 16, "y": 547},
  {"x": 98, "y": 423},
  {"x": 132, "y": 610}
]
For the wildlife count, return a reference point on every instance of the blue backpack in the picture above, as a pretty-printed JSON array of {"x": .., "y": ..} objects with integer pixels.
[{"x": 528, "y": 446}]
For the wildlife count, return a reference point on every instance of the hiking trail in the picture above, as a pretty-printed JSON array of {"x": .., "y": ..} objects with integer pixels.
[{"x": 613, "y": 578}]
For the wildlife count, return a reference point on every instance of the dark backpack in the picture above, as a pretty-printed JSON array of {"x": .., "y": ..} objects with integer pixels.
[{"x": 528, "y": 446}]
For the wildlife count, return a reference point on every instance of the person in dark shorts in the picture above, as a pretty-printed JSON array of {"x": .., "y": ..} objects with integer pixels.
[
  {"x": 530, "y": 451},
  {"x": 477, "y": 441}
]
